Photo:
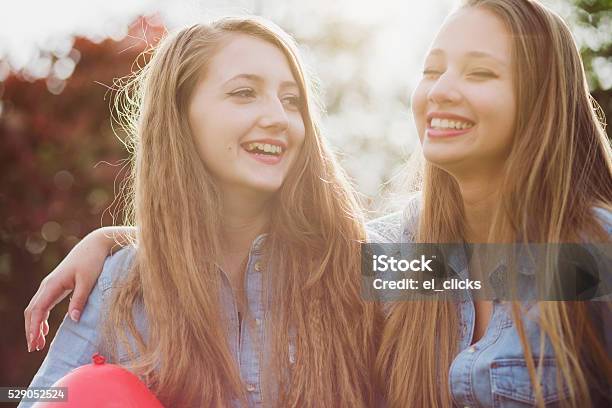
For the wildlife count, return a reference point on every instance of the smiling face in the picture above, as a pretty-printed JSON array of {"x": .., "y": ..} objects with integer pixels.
[
  {"x": 464, "y": 106},
  {"x": 245, "y": 115}
]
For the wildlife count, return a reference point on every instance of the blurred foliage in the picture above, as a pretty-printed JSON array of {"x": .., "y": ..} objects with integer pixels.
[
  {"x": 594, "y": 19},
  {"x": 60, "y": 165}
]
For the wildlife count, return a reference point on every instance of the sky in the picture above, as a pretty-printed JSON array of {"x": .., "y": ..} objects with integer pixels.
[
  {"x": 385, "y": 65},
  {"x": 27, "y": 26}
]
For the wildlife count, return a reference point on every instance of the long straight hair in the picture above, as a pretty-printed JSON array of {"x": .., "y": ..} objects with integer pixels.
[
  {"x": 312, "y": 249},
  {"x": 558, "y": 170}
]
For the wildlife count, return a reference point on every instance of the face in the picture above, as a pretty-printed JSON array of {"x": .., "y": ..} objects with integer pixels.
[
  {"x": 245, "y": 115},
  {"x": 464, "y": 106}
]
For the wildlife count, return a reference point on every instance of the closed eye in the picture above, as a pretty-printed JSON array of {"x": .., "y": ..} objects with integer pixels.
[
  {"x": 482, "y": 74},
  {"x": 293, "y": 101},
  {"x": 431, "y": 73},
  {"x": 243, "y": 93}
]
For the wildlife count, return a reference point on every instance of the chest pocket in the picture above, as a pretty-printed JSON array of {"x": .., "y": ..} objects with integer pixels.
[{"x": 511, "y": 385}]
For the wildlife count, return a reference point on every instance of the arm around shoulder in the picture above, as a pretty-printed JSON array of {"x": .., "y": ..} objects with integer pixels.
[{"x": 75, "y": 343}]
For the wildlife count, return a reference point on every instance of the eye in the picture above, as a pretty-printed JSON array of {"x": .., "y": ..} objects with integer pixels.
[
  {"x": 482, "y": 74},
  {"x": 243, "y": 93},
  {"x": 292, "y": 100},
  {"x": 431, "y": 73}
]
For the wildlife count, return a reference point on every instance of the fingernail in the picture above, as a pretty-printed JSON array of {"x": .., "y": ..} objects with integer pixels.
[{"x": 75, "y": 315}]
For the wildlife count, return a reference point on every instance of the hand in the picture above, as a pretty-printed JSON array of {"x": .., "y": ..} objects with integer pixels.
[{"x": 79, "y": 271}]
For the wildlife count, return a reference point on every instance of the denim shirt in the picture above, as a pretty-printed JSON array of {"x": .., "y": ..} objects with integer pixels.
[
  {"x": 492, "y": 371},
  {"x": 75, "y": 343}
]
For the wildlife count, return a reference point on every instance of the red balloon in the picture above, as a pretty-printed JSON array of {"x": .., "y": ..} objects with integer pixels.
[{"x": 101, "y": 385}]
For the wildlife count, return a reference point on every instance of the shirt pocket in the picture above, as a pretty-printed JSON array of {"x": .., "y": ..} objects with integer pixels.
[{"x": 512, "y": 388}]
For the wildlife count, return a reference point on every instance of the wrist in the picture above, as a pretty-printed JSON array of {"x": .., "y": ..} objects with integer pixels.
[{"x": 102, "y": 237}]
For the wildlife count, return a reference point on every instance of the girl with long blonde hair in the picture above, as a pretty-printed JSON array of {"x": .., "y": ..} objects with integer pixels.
[
  {"x": 239, "y": 283},
  {"x": 515, "y": 153}
]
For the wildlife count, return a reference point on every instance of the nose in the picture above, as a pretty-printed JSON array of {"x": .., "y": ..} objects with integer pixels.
[
  {"x": 274, "y": 116},
  {"x": 444, "y": 90}
]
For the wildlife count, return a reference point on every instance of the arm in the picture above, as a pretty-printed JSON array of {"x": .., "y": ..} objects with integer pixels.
[
  {"x": 79, "y": 271},
  {"x": 75, "y": 343}
]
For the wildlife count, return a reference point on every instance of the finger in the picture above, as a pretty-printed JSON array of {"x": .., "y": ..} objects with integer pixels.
[
  {"x": 39, "y": 335},
  {"x": 27, "y": 314},
  {"x": 26, "y": 321},
  {"x": 82, "y": 289},
  {"x": 48, "y": 295},
  {"x": 36, "y": 323},
  {"x": 40, "y": 341},
  {"x": 45, "y": 327}
]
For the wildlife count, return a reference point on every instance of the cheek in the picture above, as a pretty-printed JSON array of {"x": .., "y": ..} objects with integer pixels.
[
  {"x": 213, "y": 146},
  {"x": 419, "y": 108},
  {"x": 496, "y": 111},
  {"x": 198, "y": 130},
  {"x": 297, "y": 130},
  {"x": 199, "y": 127}
]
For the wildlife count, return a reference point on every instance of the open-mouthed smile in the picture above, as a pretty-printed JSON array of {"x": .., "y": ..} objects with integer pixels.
[
  {"x": 441, "y": 124},
  {"x": 265, "y": 151}
]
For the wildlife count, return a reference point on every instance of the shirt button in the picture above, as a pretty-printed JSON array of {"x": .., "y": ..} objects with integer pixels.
[
  {"x": 472, "y": 349},
  {"x": 292, "y": 359},
  {"x": 250, "y": 387},
  {"x": 258, "y": 266},
  {"x": 258, "y": 322}
]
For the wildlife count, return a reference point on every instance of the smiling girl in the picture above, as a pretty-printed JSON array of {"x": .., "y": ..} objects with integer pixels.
[
  {"x": 514, "y": 153},
  {"x": 241, "y": 285}
]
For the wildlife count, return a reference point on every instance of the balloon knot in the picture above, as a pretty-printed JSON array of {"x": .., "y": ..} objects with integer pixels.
[{"x": 98, "y": 359}]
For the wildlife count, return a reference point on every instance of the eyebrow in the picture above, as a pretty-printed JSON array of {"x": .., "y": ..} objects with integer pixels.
[
  {"x": 471, "y": 54},
  {"x": 257, "y": 78}
]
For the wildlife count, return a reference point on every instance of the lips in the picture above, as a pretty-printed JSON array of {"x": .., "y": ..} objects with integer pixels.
[
  {"x": 267, "y": 151},
  {"x": 445, "y": 124}
]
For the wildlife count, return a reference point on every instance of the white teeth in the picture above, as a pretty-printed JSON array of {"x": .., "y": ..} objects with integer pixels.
[
  {"x": 449, "y": 124},
  {"x": 264, "y": 147}
]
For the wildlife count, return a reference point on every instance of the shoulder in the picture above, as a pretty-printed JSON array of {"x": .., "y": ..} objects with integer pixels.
[
  {"x": 116, "y": 267},
  {"x": 399, "y": 226},
  {"x": 75, "y": 343},
  {"x": 604, "y": 217},
  {"x": 601, "y": 254},
  {"x": 385, "y": 229}
]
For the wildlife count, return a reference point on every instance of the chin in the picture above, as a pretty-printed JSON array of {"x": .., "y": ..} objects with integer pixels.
[
  {"x": 266, "y": 186},
  {"x": 441, "y": 157}
]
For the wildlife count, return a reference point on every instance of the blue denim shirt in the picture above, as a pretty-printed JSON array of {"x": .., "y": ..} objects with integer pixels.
[
  {"x": 492, "y": 371},
  {"x": 75, "y": 343}
]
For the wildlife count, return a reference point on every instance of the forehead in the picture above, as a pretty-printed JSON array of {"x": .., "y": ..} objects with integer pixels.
[
  {"x": 244, "y": 54},
  {"x": 474, "y": 29}
]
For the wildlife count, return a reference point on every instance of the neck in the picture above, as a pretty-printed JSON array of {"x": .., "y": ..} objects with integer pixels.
[
  {"x": 246, "y": 215},
  {"x": 480, "y": 198}
]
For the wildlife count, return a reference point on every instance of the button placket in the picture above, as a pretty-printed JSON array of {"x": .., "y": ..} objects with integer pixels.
[{"x": 252, "y": 336}]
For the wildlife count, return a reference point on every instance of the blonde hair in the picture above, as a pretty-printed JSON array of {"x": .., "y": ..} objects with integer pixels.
[
  {"x": 312, "y": 249},
  {"x": 558, "y": 170}
]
